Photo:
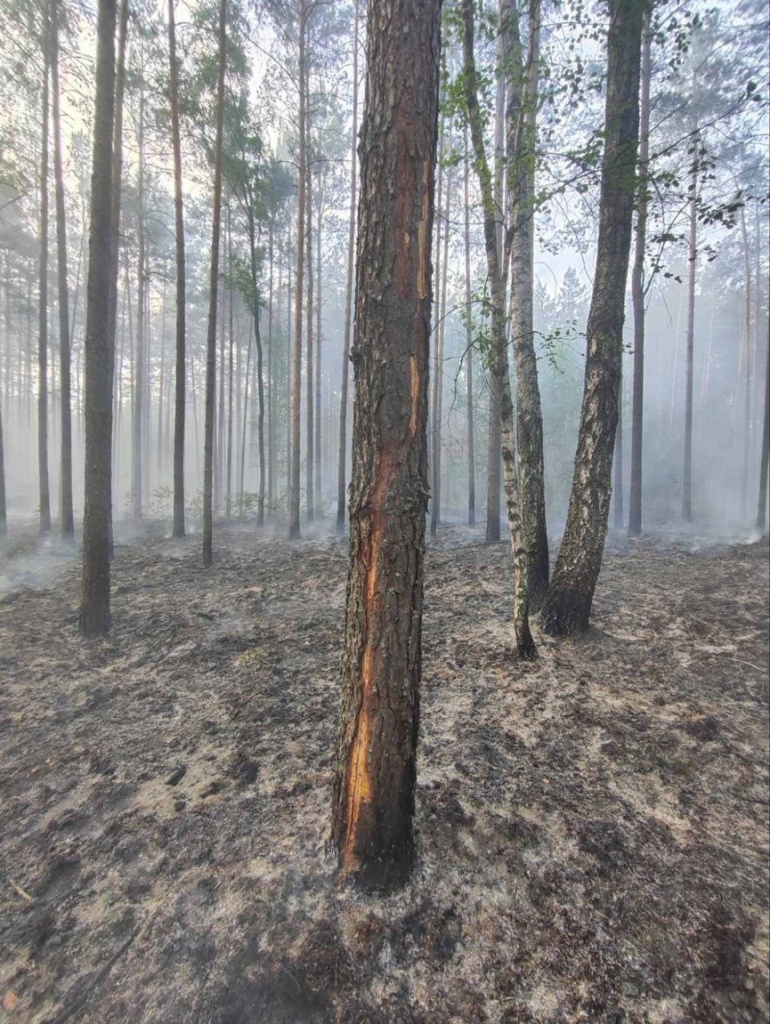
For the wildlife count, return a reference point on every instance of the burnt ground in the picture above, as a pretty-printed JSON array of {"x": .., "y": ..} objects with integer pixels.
[{"x": 592, "y": 829}]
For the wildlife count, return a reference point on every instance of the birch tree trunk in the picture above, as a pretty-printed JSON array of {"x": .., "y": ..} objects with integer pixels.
[{"x": 567, "y": 606}]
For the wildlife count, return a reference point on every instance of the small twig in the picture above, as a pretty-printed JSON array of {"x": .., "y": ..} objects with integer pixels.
[{"x": 19, "y": 891}]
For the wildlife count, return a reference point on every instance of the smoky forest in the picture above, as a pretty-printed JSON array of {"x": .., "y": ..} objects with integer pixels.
[{"x": 384, "y": 564}]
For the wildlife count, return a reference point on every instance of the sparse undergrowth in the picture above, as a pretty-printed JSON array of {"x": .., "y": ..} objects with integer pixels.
[{"x": 592, "y": 828}]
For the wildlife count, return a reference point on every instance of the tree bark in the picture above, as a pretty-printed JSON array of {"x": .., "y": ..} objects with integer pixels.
[
  {"x": 178, "y": 529},
  {"x": 638, "y": 291},
  {"x": 469, "y": 336},
  {"x": 499, "y": 368},
  {"x": 764, "y": 463},
  {"x": 95, "y": 603},
  {"x": 42, "y": 352},
  {"x": 211, "y": 337},
  {"x": 522, "y": 127},
  {"x": 296, "y": 412},
  {"x": 270, "y": 374},
  {"x": 347, "y": 329},
  {"x": 567, "y": 606},
  {"x": 260, "y": 381},
  {"x": 137, "y": 418},
  {"x": 309, "y": 417},
  {"x": 433, "y": 422},
  {"x": 67, "y": 518},
  {"x": 374, "y": 790},
  {"x": 318, "y": 381},
  {"x": 690, "y": 340}
]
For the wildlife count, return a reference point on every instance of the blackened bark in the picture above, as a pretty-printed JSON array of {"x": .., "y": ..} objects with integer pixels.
[
  {"x": 343, "y": 435},
  {"x": 95, "y": 604},
  {"x": 567, "y": 606},
  {"x": 374, "y": 789},
  {"x": 637, "y": 289},
  {"x": 211, "y": 337},
  {"x": 179, "y": 383},
  {"x": 67, "y": 519},
  {"x": 42, "y": 351}
]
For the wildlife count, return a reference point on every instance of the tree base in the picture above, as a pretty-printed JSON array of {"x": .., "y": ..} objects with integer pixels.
[{"x": 565, "y": 612}]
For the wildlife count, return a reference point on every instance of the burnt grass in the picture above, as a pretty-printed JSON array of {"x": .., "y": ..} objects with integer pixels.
[{"x": 592, "y": 829}]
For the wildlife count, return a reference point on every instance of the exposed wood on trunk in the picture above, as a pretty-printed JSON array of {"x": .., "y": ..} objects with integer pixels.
[{"x": 374, "y": 789}]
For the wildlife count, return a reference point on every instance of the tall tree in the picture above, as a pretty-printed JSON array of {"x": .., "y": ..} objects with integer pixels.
[
  {"x": 764, "y": 464},
  {"x": 567, "y": 606},
  {"x": 521, "y": 132},
  {"x": 138, "y": 412},
  {"x": 498, "y": 359},
  {"x": 299, "y": 282},
  {"x": 67, "y": 519},
  {"x": 179, "y": 390},
  {"x": 347, "y": 329},
  {"x": 42, "y": 352},
  {"x": 211, "y": 335},
  {"x": 374, "y": 790},
  {"x": 637, "y": 287},
  {"x": 692, "y": 247},
  {"x": 95, "y": 603},
  {"x": 469, "y": 335}
]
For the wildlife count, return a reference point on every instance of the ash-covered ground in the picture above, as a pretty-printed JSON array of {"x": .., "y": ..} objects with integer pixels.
[{"x": 592, "y": 830}]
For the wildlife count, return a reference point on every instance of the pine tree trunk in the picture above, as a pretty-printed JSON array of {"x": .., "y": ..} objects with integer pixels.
[
  {"x": 67, "y": 519},
  {"x": 3, "y": 513},
  {"x": 374, "y": 791},
  {"x": 347, "y": 329},
  {"x": 42, "y": 352},
  {"x": 296, "y": 412},
  {"x": 469, "y": 337},
  {"x": 433, "y": 390},
  {"x": 95, "y": 603},
  {"x": 137, "y": 421},
  {"x": 522, "y": 125},
  {"x": 230, "y": 353},
  {"x": 637, "y": 289},
  {"x": 617, "y": 490},
  {"x": 567, "y": 606},
  {"x": 211, "y": 336},
  {"x": 690, "y": 349},
  {"x": 179, "y": 380},
  {"x": 309, "y": 418},
  {"x": 260, "y": 382},
  {"x": 318, "y": 388},
  {"x": 270, "y": 376},
  {"x": 746, "y": 368}
]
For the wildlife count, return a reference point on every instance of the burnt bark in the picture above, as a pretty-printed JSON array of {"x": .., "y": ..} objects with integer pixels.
[
  {"x": 95, "y": 602},
  {"x": 567, "y": 606},
  {"x": 374, "y": 789}
]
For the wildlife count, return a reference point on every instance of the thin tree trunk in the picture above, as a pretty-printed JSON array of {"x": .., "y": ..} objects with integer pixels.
[
  {"x": 347, "y": 329},
  {"x": 95, "y": 603},
  {"x": 211, "y": 336},
  {"x": 3, "y": 513},
  {"x": 433, "y": 391},
  {"x": 242, "y": 479},
  {"x": 374, "y": 791},
  {"x": 637, "y": 289},
  {"x": 499, "y": 371},
  {"x": 567, "y": 606},
  {"x": 764, "y": 463},
  {"x": 522, "y": 141},
  {"x": 67, "y": 518},
  {"x": 260, "y": 382},
  {"x": 319, "y": 221},
  {"x": 42, "y": 357},
  {"x": 270, "y": 376},
  {"x": 230, "y": 343},
  {"x": 299, "y": 282},
  {"x": 137, "y": 422},
  {"x": 617, "y": 490},
  {"x": 690, "y": 343},
  {"x": 746, "y": 361},
  {"x": 309, "y": 418},
  {"x": 179, "y": 381},
  {"x": 469, "y": 337}
]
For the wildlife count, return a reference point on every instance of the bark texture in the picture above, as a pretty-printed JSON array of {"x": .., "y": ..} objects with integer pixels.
[
  {"x": 179, "y": 383},
  {"x": 375, "y": 783},
  {"x": 567, "y": 607},
  {"x": 764, "y": 464},
  {"x": 296, "y": 411},
  {"x": 95, "y": 603},
  {"x": 42, "y": 351}
]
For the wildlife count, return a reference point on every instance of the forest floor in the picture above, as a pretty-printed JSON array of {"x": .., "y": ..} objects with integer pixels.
[{"x": 592, "y": 829}]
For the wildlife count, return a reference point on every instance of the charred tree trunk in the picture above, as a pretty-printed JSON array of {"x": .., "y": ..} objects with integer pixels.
[
  {"x": 67, "y": 523},
  {"x": 567, "y": 607},
  {"x": 211, "y": 336},
  {"x": 179, "y": 382},
  {"x": 499, "y": 368},
  {"x": 374, "y": 789},
  {"x": 347, "y": 329},
  {"x": 42, "y": 352},
  {"x": 638, "y": 290},
  {"x": 95, "y": 602}
]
